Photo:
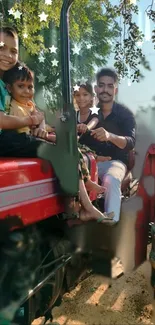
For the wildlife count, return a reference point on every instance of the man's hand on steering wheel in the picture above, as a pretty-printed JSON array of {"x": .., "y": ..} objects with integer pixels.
[{"x": 101, "y": 134}]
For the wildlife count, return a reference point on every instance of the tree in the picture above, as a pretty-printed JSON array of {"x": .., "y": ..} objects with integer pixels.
[
  {"x": 90, "y": 39},
  {"x": 94, "y": 34}
]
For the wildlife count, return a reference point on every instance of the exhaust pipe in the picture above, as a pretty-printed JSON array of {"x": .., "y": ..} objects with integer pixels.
[{"x": 65, "y": 55}]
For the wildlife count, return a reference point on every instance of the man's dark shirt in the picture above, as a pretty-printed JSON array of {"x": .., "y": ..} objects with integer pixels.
[{"x": 121, "y": 122}]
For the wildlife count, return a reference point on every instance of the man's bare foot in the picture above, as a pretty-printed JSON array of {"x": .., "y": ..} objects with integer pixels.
[
  {"x": 92, "y": 186},
  {"x": 95, "y": 214}
]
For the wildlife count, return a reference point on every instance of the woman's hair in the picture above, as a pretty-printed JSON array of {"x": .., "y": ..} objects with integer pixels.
[
  {"x": 89, "y": 88},
  {"x": 19, "y": 72}
]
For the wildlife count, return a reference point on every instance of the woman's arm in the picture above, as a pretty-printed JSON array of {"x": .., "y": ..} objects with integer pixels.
[
  {"x": 82, "y": 128},
  {"x": 92, "y": 124},
  {"x": 9, "y": 122}
]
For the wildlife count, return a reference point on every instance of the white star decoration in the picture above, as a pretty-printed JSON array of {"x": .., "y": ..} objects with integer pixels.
[
  {"x": 48, "y": 2},
  {"x": 11, "y": 11},
  {"x": 41, "y": 77},
  {"x": 1, "y": 44},
  {"x": 17, "y": 14},
  {"x": 76, "y": 87},
  {"x": 20, "y": 68},
  {"x": 53, "y": 49},
  {"x": 41, "y": 59},
  {"x": 76, "y": 49},
  {"x": 89, "y": 46},
  {"x": 43, "y": 16},
  {"x": 83, "y": 81},
  {"x": 63, "y": 118},
  {"x": 55, "y": 63},
  {"x": 25, "y": 35}
]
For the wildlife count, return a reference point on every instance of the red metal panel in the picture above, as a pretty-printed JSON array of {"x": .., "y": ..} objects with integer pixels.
[
  {"x": 34, "y": 175},
  {"x": 147, "y": 214},
  {"x": 28, "y": 189}
]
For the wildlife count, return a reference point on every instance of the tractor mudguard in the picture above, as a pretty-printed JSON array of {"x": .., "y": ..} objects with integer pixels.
[{"x": 63, "y": 156}]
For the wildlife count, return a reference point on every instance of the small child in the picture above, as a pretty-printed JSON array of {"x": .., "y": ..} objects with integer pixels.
[
  {"x": 86, "y": 119},
  {"x": 20, "y": 85}
]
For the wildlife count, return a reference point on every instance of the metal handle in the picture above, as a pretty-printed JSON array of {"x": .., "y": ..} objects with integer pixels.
[{"x": 65, "y": 54}]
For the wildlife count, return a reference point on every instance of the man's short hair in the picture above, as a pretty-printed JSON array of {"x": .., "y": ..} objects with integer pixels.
[
  {"x": 10, "y": 31},
  {"x": 108, "y": 73}
]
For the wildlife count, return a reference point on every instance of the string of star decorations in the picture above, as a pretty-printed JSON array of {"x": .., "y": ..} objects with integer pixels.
[
  {"x": 76, "y": 49},
  {"x": 44, "y": 59}
]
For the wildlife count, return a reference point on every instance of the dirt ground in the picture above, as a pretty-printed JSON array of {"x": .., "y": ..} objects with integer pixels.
[
  {"x": 93, "y": 302},
  {"x": 126, "y": 302}
]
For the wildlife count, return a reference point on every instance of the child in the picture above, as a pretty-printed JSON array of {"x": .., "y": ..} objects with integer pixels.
[
  {"x": 84, "y": 99},
  {"x": 20, "y": 85},
  {"x": 86, "y": 119}
]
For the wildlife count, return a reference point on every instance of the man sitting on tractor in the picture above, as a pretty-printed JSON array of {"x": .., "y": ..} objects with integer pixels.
[
  {"x": 116, "y": 138},
  {"x": 113, "y": 137}
]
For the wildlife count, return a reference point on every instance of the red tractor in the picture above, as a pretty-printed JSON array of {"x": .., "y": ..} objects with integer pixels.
[{"x": 42, "y": 246}]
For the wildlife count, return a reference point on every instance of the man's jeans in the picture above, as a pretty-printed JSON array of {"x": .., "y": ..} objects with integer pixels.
[{"x": 111, "y": 174}]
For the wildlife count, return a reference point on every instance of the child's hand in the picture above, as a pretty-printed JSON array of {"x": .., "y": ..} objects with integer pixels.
[
  {"x": 39, "y": 133},
  {"x": 82, "y": 128},
  {"x": 36, "y": 118}
]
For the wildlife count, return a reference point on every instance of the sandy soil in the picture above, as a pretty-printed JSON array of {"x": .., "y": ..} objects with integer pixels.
[
  {"x": 93, "y": 302},
  {"x": 128, "y": 301}
]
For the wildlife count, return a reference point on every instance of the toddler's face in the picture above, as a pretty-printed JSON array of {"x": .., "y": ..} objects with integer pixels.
[
  {"x": 8, "y": 51},
  {"x": 22, "y": 91}
]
